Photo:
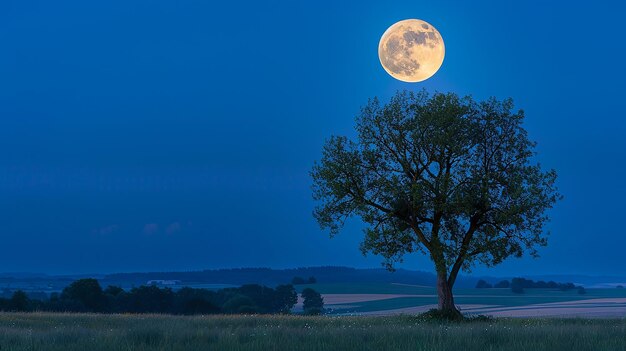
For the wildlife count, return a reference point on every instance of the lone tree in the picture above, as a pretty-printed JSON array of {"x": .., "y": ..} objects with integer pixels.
[
  {"x": 441, "y": 175},
  {"x": 313, "y": 301}
]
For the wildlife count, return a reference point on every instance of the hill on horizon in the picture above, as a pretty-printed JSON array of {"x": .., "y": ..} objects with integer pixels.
[{"x": 215, "y": 278}]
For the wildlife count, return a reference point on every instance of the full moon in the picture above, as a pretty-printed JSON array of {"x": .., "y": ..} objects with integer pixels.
[{"x": 411, "y": 50}]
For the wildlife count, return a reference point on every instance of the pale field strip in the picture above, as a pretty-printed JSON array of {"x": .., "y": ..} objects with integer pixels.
[
  {"x": 332, "y": 299},
  {"x": 342, "y": 299},
  {"x": 603, "y": 307},
  {"x": 417, "y": 309},
  {"x": 600, "y": 307}
]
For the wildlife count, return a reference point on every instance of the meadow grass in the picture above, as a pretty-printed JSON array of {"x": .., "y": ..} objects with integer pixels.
[{"x": 69, "y": 332}]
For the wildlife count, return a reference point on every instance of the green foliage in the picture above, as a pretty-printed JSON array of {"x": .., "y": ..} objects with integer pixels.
[
  {"x": 19, "y": 302},
  {"x": 195, "y": 301},
  {"x": 150, "y": 299},
  {"x": 240, "y": 304},
  {"x": 519, "y": 284},
  {"x": 439, "y": 174},
  {"x": 85, "y": 293},
  {"x": 313, "y": 302},
  {"x": 112, "y": 290},
  {"x": 285, "y": 298}
]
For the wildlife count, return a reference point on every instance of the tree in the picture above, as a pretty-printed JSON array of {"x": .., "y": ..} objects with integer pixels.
[
  {"x": 263, "y": 297},
  {"x": 195, "y": 301},
  {"x": 86, "y": 292},
  {"x": 19, "y": 302},
  {"x": 285, "y": 298},
  {"x": 240, "y": 304},
  {"x": 150, "y": 299},
  {"x": 113, "y": 290},
  {"x": 481, "y": 284},
  {"x": 439, "y": 175},
  {"x": 503, "y": 284},
  {"x": 517, "y": 285},
  {"x": 313, "y": 301}
]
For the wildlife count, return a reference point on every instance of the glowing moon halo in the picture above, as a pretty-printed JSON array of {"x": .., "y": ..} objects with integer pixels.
[{"x": 411, "y": 50}]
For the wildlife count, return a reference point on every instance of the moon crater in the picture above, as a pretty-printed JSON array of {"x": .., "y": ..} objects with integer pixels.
[{"x": 411, "y": 50}]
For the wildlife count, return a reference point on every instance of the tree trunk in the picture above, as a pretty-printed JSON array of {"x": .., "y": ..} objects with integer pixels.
[{"x": 444, "y": 292}]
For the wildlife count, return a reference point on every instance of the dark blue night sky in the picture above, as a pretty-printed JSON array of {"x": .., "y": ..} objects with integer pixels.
[{"x": 171, "y": 135}]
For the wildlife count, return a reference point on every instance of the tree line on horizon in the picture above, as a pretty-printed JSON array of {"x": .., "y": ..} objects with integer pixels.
[
  {"x": 517, "y": 285},
  {"x": 86, "y": 295}
]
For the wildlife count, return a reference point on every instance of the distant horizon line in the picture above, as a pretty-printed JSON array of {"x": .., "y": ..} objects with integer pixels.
[{"x": 33, "y": 273}]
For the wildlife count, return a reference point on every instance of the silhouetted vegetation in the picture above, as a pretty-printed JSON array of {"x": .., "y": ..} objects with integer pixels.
[
  {"x": 481, "y": 284},
  {"x": 313, "y": 302},
  {"x": 441, "y": 175},
  {"x": 503, "y": 284},
  {"x": 518, "y": 285},
  {"x": 86, "y": 295},
  {"x": 301, "y": 281},
  {"x": 272, "y": 277}
]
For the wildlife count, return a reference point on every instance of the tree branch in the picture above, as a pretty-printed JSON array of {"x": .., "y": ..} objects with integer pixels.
[{"x": 467, "y": 239}]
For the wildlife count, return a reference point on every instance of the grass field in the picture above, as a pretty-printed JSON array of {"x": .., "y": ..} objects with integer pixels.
[{"x": 74, "y": 332}]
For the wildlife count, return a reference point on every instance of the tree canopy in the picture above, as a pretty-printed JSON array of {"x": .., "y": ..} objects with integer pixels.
[{"x": 442, "y": 175}]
